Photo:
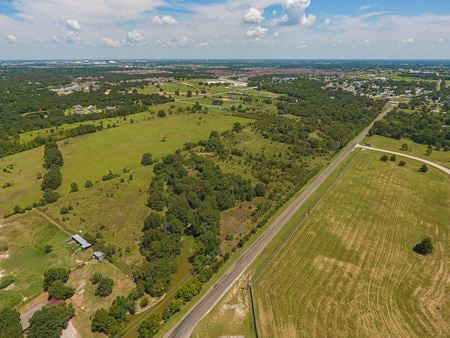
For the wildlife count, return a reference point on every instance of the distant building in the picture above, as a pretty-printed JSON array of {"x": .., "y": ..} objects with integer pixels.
[
  {"x": 99, "y": 255},
  {"x": 84, "y": 244}
]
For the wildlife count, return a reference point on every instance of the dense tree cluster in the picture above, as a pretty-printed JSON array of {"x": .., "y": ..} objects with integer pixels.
[
  {"x": 328, "y": 119},
  {"x": 52, "y": 180},
  {"x": 28, "y": 103},
  {"x": 50, "y": 321},
  {"x": 422, "y": 127},
  {"x": 10, "y": 324},
  {"x": 194, "y": 191},
  {"x": 113, "y": 320}
]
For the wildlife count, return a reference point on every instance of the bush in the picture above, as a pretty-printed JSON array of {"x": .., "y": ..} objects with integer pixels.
[
  {"x": 384, "y": 158},
  {"x": 174, "y": 307},
  {"x": 147, "y": 159},
  {"x": 393, "y": 158},
  {"x": 10, "y": 324},
  {"x": 187, "y": 292},
  {"x": 58, "y": 290},
  {"x": 150, "y": 326},
  {"x": 104, "y": 285},
  {"x": 103, "y": 322},
  {"x": 49, "y": 196},
  {"x": 48, "y": 248},
  {"x": 109, "y": 176},
  {"x": 54, "y": 274},
  {"x": 144, "y": 302},
  {"x": 425, "y": 247},
  {"x": 260, "y": 189},
  {"x": 423, "y": 168},
  {"x": 88, "y": 184},
  {"x": 74, "y": 187},
  {"x": 162, "y": 113},
  {"x": 402, "y": 163}
]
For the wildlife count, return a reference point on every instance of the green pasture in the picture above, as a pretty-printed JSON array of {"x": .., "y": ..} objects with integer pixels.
[
  {"x": 420, "y": 150},
  {"x": 26, "y": 237}
]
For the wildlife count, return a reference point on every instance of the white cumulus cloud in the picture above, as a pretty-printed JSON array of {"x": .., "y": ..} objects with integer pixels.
[
  {"x": 73, "y": 25},
  {"x": 308, "y": 20},
  {"x": 294, "y": 14},
  {"x": 12, "y": 39},
  {"x": 408, "y": 41},
  {"x": 164, "y": 20},
  {"x": 257, "y": 32},
  {"x": 134, "y": 37},
  {"x": 254, "y": 15},
  {"x": 108, "y": 42}
]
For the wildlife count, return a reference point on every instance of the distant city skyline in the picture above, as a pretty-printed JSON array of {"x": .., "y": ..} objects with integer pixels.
[{"x": 201, "y": 29}]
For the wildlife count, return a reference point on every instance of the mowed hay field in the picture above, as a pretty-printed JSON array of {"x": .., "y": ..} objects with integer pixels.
[{"x": 349, "y": 270}]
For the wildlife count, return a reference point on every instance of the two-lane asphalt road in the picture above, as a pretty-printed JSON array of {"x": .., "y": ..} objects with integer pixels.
[{"x": 185, "y": 326}]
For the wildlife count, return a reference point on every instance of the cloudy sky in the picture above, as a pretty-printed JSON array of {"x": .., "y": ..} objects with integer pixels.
[{"x": 40, "y": 29}]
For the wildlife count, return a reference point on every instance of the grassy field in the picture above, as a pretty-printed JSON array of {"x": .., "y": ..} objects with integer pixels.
[
  {"x": 419, "y": 150},
  {"x": 349, "y": 269},
  {"x": 91, "y": 156},
  {"x": 26, "y": 236},
  {"x": 21, "y": 171}
]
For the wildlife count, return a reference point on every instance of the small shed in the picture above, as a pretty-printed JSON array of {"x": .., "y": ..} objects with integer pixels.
[
  {"x": 98, "y": 255},
  {"x": 82, "y": 242}
]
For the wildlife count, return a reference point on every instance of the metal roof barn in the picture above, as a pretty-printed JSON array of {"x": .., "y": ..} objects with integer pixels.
[{"x": 80, "y": 240}]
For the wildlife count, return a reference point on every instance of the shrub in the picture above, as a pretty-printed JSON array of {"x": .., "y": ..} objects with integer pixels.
[
  {"x": 425, "y": 247},
  {"x": 260, "y": 189},
  {"x": 423, "y": 168},
  {"x": 174, "y": 307},
  {"x": 88, "y": 184},
  {"x": 147, "y": 159},
  {"x": 150, "y": 326},
  {"x": 74, "y": 187},
  {"x": 402, "y": 163},
  {"x": 393, "y": 158},
  {"x": 384, "y": 158},
  {"x": 144, "y": 302},
  {"x": 54, "y": 274},
  {"x": 58, "y": 290}
]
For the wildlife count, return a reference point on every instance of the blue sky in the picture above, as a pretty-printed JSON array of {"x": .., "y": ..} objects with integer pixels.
[{"x": 36, "y": 29}]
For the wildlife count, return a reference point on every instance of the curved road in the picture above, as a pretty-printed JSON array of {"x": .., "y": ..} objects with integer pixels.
[
  {"x": 432, "y": 164},
  {"x": 185, "y": 326}
]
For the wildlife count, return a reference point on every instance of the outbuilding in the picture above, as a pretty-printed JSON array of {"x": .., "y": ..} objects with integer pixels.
[
  {"x": 98, "y": 255},
  {"x": 84, "y": 244}
]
